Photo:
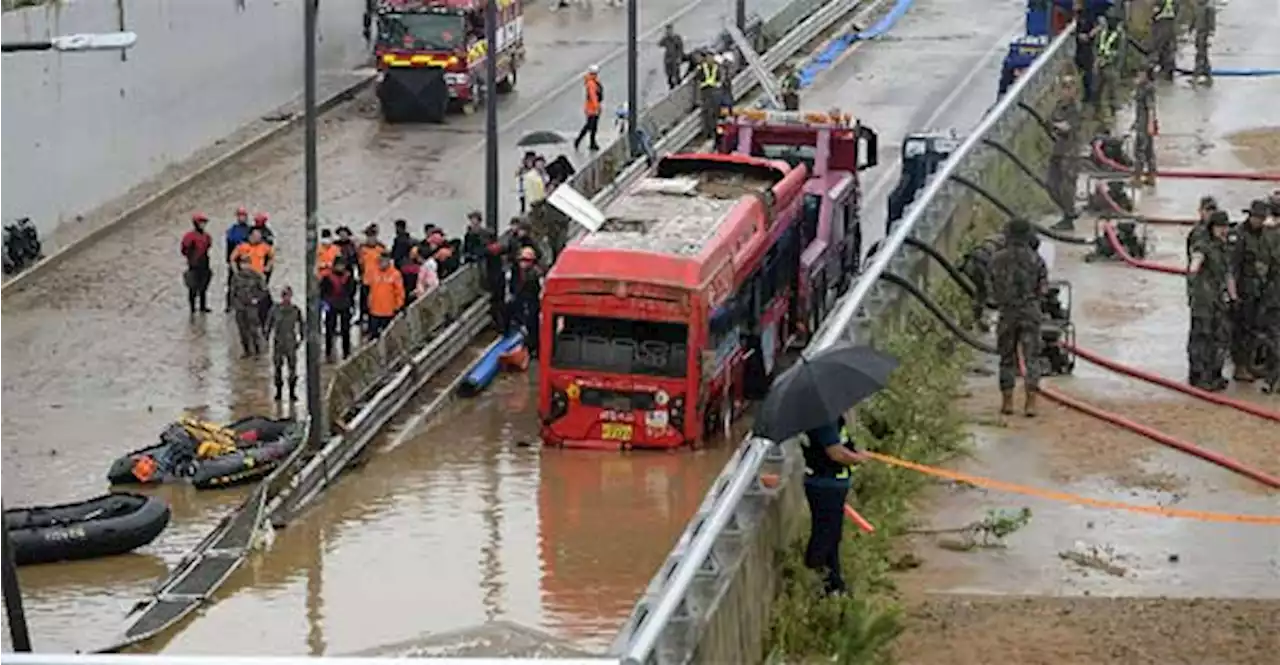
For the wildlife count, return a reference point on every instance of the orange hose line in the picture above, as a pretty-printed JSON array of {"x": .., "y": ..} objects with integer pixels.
[
  {"x": 771, "y": 480},
  {"x": 1066, "y": 497}
]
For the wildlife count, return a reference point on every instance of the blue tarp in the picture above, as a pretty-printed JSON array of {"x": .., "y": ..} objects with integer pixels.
[{"x": 837, "y": 46}]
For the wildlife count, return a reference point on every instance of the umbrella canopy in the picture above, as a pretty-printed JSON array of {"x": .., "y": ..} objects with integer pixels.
[
  {"x": 540, "y": 137},
  {"x": 817, "y": 391}
]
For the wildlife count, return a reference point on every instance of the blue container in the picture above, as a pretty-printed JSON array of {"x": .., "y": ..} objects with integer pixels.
[{"x": 485, "y": 369}]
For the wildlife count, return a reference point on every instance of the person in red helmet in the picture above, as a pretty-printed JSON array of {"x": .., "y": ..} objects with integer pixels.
[
  {"x": 195, "y": 247},
  {"x": 268, "y": 236}
]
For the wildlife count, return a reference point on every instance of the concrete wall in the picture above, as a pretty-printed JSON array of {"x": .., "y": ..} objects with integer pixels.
[{"x": 81, "y": 129}]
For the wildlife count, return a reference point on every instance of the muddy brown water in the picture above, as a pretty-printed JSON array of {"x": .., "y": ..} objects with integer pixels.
[{"x": 448, "y": 525}]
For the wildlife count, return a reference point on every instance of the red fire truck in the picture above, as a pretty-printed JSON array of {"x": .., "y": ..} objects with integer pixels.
[
  {"x": 661, "y": 325},
  {"x": 431, "y": 55}
]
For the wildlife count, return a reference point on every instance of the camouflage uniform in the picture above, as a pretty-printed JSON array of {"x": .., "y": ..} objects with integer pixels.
[
  {"x": 1269, "y": 332},
  {"x": 1204, "y": 22},
  {"x": 1019, "y": 279},
  {"x": 977, "y": 267},
  {"x": 1144, "y": 153},
  {"x": 1254, "y": 265},
  {"x": 285, "y": 324},
  {"x": 791, "y": 91},
  {"x": 1063, "y": 169},
  {"x": 1209, "y": 335},
  {"x": 247, "y": 289}
]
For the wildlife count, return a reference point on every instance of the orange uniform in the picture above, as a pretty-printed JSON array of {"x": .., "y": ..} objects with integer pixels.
[
  {"x": 593, "y": 89},
  {"x": 386, "y": 291},
  {"x": 369, "y": 255},
  {"x": 255, "y": 256},
  {"x": 326, "y": 254}
]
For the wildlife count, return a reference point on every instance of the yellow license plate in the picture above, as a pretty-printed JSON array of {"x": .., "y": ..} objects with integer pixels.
[{"x": 616, "y": 432}]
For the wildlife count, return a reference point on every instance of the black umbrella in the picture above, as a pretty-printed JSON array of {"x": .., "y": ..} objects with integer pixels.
[
  {"x": 817, "y": 391},
  {"x": 541, "y": 137}
]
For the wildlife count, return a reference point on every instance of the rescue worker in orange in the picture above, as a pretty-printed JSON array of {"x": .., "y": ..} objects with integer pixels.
[
  {"x": 386, "y": 295},
  {"x": 369, "y": 252},
  {"x": 594, "y": 91},
  {"x": 326, "y": 253},
  {"x": 259, "y": 257},
  {"x": 268, "y": 236}
]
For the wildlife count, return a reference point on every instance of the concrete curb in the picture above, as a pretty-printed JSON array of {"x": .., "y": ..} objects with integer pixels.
[{"x": 16, "y": 282}]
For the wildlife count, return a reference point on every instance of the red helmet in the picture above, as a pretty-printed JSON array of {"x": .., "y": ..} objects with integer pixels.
[
  {"x": 199, "y": 217},
  {"x": 260, "y": 218}
]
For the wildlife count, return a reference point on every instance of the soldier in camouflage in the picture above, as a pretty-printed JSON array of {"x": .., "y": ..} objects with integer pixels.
[
  {"x": 1270, "y": 319},
  {"x": 1144, "y": 128},
  {"x": 1019, "y": 281},
  {"x": 1255, "y": 261},
  {"x": 977, "y": 267},
  {"x": 248, "y": 287},
  {"x": 1200, "y": 232},
  {"x": 1210, "y": 290},
  {"x": 1204, "y": 21},
  {"x": 1063, "y": 166},
  {"x": 285, "y": 324}
]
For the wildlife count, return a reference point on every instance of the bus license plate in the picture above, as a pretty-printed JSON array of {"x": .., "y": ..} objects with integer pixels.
[{"x": 615, "y": 432}]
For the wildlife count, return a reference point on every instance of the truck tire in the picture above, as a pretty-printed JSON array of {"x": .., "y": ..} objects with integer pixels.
[{"x": 508, "y": 84}]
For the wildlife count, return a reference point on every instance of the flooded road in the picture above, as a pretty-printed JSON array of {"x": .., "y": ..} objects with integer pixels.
[
  {"x": 1138, "y": 319},
  {"x": 447, "y": 526}
]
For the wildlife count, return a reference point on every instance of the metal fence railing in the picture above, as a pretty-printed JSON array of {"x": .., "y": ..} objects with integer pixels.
[{"x": 665, "y": 625}]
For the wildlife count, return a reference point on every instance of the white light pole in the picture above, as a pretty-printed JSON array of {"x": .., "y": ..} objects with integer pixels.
[{"x": 106, "y": 41}]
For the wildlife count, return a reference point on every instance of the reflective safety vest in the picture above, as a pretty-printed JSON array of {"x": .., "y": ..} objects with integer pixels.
[
  {"x": 710, "y": 75},
  {"x": 1168, "y": 10},
  {"x": 845, "y": 439},
  {"x": 1107, "y": 45}
]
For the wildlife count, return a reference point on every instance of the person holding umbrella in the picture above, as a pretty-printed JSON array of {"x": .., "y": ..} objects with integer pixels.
[{"x": 811, "y": 398}]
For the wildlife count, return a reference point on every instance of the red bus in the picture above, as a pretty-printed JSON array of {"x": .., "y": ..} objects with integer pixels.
[{"x": 655, "y": 325}]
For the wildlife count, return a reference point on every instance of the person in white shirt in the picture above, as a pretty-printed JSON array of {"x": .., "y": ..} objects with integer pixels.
[
  {"x": 526, "y": 163},
  {"x": 534, "y": 183}
]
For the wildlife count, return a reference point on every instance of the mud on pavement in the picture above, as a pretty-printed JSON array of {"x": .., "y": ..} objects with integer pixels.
[{"x": 1081, "y": 585}]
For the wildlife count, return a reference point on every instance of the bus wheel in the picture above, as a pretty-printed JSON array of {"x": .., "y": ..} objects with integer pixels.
[{"x": 508, "y": 83}]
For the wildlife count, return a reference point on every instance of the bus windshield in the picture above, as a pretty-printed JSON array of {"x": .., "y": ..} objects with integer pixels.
[
  {"x": 620, "y": 346},
  {"x": 428, "y": 32}
]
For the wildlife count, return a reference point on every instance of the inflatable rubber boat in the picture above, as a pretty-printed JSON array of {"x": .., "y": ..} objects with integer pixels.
[
  {"x": 210, "y": 456},
  {"x": 102, "y": 526}
]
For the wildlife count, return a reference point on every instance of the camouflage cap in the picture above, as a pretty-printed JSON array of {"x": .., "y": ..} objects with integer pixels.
[
  {"x": 1259, "y": 208},
  {"x": 1219, "y": 218}
]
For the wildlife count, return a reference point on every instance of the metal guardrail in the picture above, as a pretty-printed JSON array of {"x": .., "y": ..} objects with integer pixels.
[{"x": 665, "y": 624}]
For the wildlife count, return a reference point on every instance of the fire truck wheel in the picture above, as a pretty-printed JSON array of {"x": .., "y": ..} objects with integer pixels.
[{"x": 508, "y": 84}]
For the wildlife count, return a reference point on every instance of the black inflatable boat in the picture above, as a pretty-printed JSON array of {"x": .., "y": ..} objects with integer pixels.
[
  {"x": 209, "y": 456},
  {"x": 103, "y": 526}
]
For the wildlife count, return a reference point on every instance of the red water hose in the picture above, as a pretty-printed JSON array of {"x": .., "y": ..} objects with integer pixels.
[
  {"x": 1158, "y": 436},
  {"x": 1101, "y": 157},
  {"x": 1222, "y": 400},
  {"x": 1101, "y": 190},
  {"x": 1110, "y": 231}
]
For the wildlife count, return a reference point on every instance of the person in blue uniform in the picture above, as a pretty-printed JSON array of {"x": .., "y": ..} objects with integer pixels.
[{"x": 828, "y": 461}]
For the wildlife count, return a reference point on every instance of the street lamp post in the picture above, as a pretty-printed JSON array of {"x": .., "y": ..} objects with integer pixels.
[
  {"x": 315, "y": 410},
  {"x": 16, "y": 615},
  {"x": 491, "y": 115},
  {"x": 633, "y": 76}
]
